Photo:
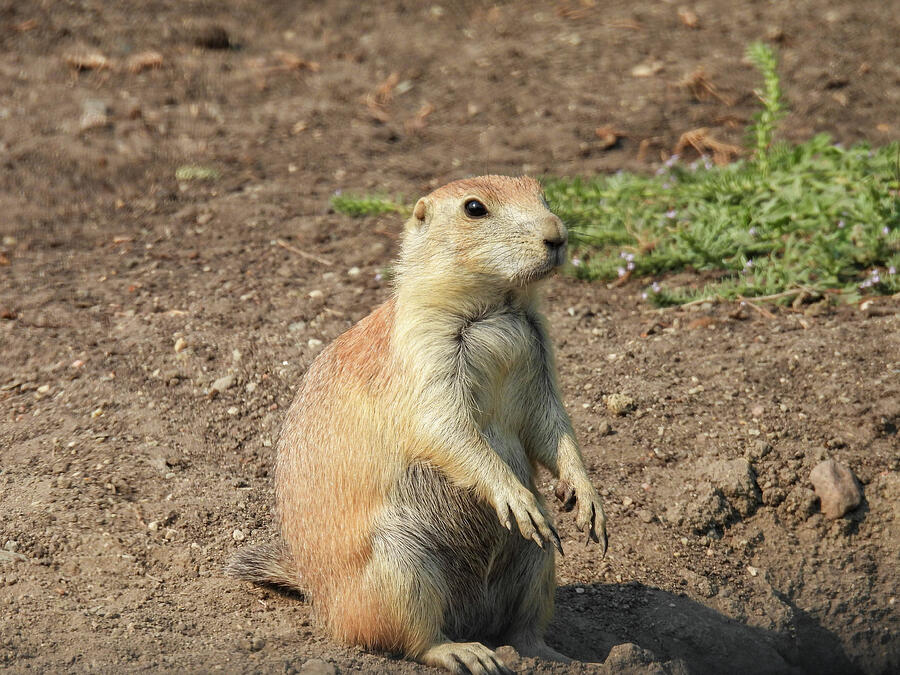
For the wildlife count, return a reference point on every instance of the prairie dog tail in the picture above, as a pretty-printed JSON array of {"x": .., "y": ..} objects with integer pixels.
[{"x": 267, "y": 565}]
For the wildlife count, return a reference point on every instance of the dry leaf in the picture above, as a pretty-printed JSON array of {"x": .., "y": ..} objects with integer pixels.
[
  {"x": 149, "y": 60},
  {"x": 700, "y": 87},
  {"x": 377, "y": 100},
  {"x": 607, "y": 136},
  {"x": 294, "y": 62},
  {"x": 417, "y": 123},
  {"x": 689, "y": 17},
  {"x": 88, "y": 61},
  {"x": 703, "y": 142}
]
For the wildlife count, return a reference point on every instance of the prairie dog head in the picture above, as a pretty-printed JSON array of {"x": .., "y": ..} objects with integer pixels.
[{"x": 489, "y": 228}]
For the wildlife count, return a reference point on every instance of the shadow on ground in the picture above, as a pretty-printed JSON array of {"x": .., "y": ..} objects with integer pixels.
[{"x": 637, "y": 628}]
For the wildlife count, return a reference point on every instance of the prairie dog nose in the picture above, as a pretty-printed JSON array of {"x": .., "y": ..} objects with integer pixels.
[{"x": 554, "y": 233}]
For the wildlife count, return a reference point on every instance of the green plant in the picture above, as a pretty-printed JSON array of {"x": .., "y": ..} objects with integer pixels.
[
  {"x": 762, "y": 131},
  {"x": 359, "y": 205},
  {"x": 821, "y": 219}
]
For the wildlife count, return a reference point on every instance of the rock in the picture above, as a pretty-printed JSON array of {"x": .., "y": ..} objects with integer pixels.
[
  {"x": 12, "y": 556},
  {"x": 256, "y": 644},
  {"x": 223, "y": 383},
  {"x": 297, "y": 326},
  {"x": 736, "y": 480},
  {"x": 759, "y": 450},
  {"x": 94, "y": 114},
  {"x": 238, "y": 535},
  {"x": 707, "y": 510},
  {"x": 604, "y": 428},
  {"x": 314, "y": 343},
  {"x": 618, "y": 404},
  {"x": 318, "y": 667},
  {"x": 180, "y": 345},
  {"x": 628, "y": 657},
  {"x": 645, "y": 516},
  {"x": 801, "y": 502},
  {"x": 836, "y": 487}
]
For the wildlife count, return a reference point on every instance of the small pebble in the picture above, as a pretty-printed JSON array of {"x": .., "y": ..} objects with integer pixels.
[
  {"x": 318, "y": 667},
  {"x": 313, "y": 343},
  {"x": 237, "y": 535},
  {"x": 180, "y": 345},
  {"x": 618, "y": 404},
  {"x": 353, "y": 272},
  {"x": 604, "y": 428},
  {"x": 94, "y": 114},
  {"x": 223, "y": 383}
]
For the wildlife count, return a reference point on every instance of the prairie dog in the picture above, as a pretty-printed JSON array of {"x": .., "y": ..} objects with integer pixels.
[{"x": 406, "y": 466}]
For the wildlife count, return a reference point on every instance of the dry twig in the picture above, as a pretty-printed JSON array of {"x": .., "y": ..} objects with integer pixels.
[{"x": 310, "y": 256}]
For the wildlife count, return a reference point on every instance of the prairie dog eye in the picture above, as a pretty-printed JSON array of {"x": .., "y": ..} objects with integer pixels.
[{"x": 475, "y": 209}]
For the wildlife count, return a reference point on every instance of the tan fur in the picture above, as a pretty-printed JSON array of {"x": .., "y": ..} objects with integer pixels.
[{"x": 405, "y": 472}]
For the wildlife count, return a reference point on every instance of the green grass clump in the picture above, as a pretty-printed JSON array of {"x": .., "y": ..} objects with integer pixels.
[
  {"x": 359, "y": 205},
  {"x": 191, "y": 172},
  {"x": 815, "y": 217},
  {"x": 820, "y": 218}
]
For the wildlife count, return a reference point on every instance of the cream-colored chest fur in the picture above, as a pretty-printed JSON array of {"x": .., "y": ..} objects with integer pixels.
[{"x": 500, "y": 356}]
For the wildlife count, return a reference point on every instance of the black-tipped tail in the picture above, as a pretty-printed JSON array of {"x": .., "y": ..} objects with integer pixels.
[{"x": 267, "y": 565}]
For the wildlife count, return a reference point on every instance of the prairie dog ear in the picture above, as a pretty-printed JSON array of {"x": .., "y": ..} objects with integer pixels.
[{"x": 421, "y": 214}]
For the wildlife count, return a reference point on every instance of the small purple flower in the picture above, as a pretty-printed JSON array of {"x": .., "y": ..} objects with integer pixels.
[
  {"x": 749, "y": 264},
  {"x": 378, "y": 276},
  {"x": 752, "y": 231},
  {"x": 667, "y": 185},
  {"x": 338, "y": 192},
  {"x": 707, "y": 162},
  {"x": 576, "y": 262},
  {"x": 620, "y": 271},
  {"x": 892, "y": 270},
  {"x": 671, "y": 213},
  {"x": 672, "y": 160},
  {"x": 841, "y": 224},
  {"x": 885, "y": 230},
  {"x": 656, "y": 287},
  {"x": 644, "y": 295},
  {"x": 630, "y": 266}
]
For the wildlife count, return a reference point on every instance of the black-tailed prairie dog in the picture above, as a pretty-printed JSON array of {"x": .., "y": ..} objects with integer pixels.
[{"x": 405, "y": 478}]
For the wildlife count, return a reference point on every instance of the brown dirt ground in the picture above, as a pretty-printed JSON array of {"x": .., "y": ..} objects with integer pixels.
[{"x": 123, "y": 481}]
